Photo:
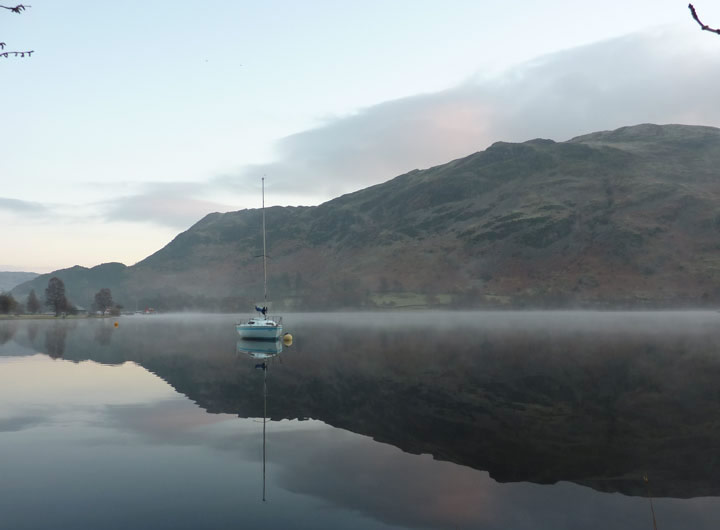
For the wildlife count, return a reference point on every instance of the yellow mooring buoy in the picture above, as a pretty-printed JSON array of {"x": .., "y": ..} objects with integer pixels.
[
  {"x": 116, "y": 324},
  {"x": 287, "y": 339}
]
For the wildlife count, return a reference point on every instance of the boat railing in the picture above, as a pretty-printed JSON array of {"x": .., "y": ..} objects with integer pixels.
[{"x": 277, "y": 319}]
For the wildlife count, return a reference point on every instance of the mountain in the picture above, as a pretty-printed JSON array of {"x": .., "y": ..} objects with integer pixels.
[
  {"x": 9, "y": 279},
  {"x": 624, "y": 218}
]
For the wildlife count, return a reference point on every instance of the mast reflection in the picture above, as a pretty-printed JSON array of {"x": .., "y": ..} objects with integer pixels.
[{"x": 264, "y": 351}]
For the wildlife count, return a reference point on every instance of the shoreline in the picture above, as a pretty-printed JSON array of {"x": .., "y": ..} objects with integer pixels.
[{"x": 52, "y": 317}]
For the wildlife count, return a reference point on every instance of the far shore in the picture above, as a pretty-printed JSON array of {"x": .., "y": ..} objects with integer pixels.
[{"x": 51, "y": 317}]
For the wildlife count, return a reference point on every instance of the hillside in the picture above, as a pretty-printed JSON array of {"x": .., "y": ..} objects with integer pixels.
[
  {"x": 9, "y": 279},
  {"x": 619, "y": 218}
]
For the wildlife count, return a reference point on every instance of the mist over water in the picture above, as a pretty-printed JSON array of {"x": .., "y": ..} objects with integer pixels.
[
  {"x": 560, "y": 322},
  {"x": 375, "y": 420}
]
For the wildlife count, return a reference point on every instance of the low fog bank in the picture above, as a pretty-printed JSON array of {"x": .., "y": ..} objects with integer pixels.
[
  {"x": 444, "y": 329},
  {"x": 539, "y": 321},
  {"x": 670, "y": 321}
]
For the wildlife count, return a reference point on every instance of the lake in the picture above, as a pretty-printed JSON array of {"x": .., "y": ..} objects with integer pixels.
[{"x": 482, "y": 420}]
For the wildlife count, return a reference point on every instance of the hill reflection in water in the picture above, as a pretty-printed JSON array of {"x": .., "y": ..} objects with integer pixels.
[{"x": 598, "y": 399}]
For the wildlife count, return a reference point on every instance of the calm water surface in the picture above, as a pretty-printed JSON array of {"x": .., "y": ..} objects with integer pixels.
[{"x": 426, "y": 420}]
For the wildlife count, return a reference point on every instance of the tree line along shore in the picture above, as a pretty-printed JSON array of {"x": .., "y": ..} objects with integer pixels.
[{"x": 57, "y": 304}]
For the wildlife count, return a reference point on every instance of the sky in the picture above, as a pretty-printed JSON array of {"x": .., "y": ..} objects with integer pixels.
[{"x": 133, "y": 120}]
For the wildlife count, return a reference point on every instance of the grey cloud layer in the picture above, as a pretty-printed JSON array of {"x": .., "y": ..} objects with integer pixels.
[
  {"x": 22, "y": 207},
  {"x": 169, "y": 204},
  {"x": 660, "y": 78}
]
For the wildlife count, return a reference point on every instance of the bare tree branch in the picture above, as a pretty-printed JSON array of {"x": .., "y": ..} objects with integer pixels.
[
  {"x": 21, "y": 54},
  {"x": 17, "y": 9},
  {"x": 15, "y": 53},
  {"x": 704, "y": 27}
]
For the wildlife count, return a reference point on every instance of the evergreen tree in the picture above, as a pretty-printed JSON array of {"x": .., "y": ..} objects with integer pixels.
[
  {"x": 103, "y": 300},
  {"x": 32, "y": 305},
  {"x": 8, "y": 304},
  {"x": 55, "y": 295}
]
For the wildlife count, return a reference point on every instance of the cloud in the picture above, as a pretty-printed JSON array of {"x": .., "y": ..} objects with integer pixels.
[
  {"x": 660, "y": 77},
  {"x": 27, "y": 213},
  {"x": 22, "y": 207},
  {"x": 376, "y": 144},
  {"x": 49, "y": 212},
  {"x": 173, "y": 204}
]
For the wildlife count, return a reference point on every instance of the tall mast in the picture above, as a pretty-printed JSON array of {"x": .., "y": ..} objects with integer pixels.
[{"x": 264, "y": 251}]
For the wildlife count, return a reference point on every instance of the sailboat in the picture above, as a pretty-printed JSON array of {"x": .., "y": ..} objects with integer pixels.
[{"x": 261, "y": 327}]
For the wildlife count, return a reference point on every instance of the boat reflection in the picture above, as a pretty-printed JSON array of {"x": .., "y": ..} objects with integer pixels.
[{"x": 261, "y": 351}]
